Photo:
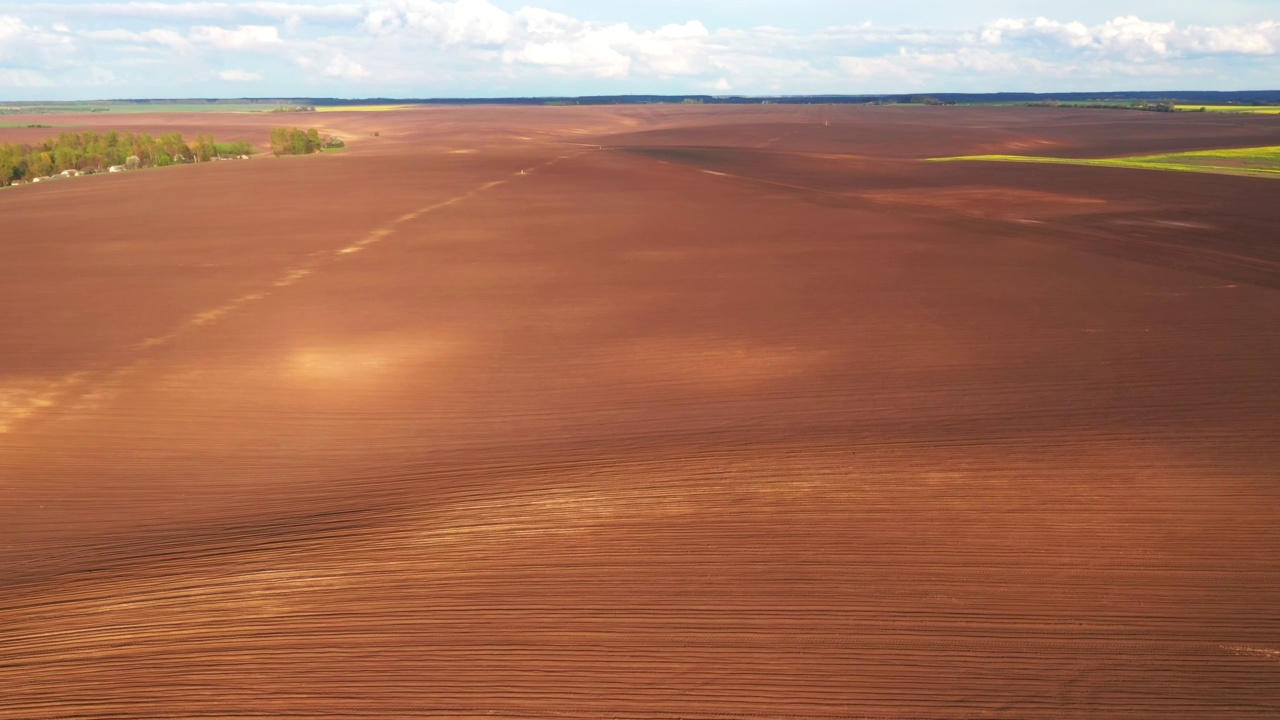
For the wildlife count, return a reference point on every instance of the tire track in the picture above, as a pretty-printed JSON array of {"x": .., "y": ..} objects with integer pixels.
[{"x": 88, "y": 389}]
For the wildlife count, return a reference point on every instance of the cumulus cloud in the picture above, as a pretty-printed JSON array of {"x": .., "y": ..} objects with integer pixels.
[
  {"x": 28, "y": 52},
  {"x": 559, "y": 43},
  {"x": 1134, "y": 38},
  {"x": 344, "y": 68},
  {"x": 204, "y": 11},
  {"x": 143, "y": 10},
  {"x": 238, "y": 76},
  {"x": 11, "y": 27},
  {"x": 425, "y": 47},
  {"x": 464, "y": 22},
  {"x": 244, "y": 37},
  {"x": 159, "y": 37},
  {"x": 11, "y": 78},
  {"x": 537, "y": 37},
  {"x": 339, "y": 14}
]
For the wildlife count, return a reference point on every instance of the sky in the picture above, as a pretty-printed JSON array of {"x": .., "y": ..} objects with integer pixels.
[{"x": 67, "y": 49}]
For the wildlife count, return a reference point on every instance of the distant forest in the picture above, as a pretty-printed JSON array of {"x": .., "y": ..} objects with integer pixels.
[
  {"x": 90, "y": 152},
  {"x": 1180, "y": 97},
  {"x": 1200, "y": 97}
]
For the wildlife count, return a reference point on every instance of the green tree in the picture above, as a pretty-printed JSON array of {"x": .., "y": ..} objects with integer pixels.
[
  {"x": 279, "y": 141},
  {"x": 298, "y": 142},
  {"x": 202, "y": 151},
  {"x": 89, "y": 149},
  {"x": 293, "y": 141},
  {"x": 42, "y": 164},
  {"x": 65, "y": 158},
  {"x": 9, "y": 171},
  {"x": 175, "y": 147}
]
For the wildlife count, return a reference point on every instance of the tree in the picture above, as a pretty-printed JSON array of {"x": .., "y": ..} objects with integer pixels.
[
  {"x": 9, "y": 159},
  {"x": 65, "y": 158},
  {"x": 42, "y": 164},
  {"x": 298, "y": 142},
  {"x": 279, "y": 141},
  {"x": 293, "y": 141},
  {"x": 89, "y": 149},
  {"x": 174, "y": 146},
  {"x": 202, "y": 150}
]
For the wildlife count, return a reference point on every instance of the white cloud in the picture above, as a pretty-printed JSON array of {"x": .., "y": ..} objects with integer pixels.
[
  {"x": 23, "y": 79},
  {"x": 159, "y": 37},
  {"x": 672, "y": 49},
  {"x": 238, "y": 76},
  {"x": 464, "y": 22},
  {"x": 244, "y": 37},
  {"x": 879, "y": 68},
  {"x": 141, "y": 10},
  {"x": 344, "y": 68},
  {"x": 348, "y": 13},
  {"x": 580, "y": 50},
  {"x": 101, "y": 76},
  {"x": 476, "y": 31},
  {"x": 433, "y": 47},
  {"x": 11, "y": 26},
  {"x": 1133, "y": 38},
  {"x": 1259, "y": 39},
  {"x": 25, "y": 47}
]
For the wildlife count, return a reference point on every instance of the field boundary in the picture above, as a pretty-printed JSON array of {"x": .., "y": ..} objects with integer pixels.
[{"x": 1250, "y": 162}]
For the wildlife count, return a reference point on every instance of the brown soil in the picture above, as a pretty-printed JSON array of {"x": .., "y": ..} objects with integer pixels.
[{"x": 645, "y": 412}]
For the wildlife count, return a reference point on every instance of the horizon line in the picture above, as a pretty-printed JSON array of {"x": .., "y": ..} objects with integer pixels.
[{"x": 1145, "y": 94}]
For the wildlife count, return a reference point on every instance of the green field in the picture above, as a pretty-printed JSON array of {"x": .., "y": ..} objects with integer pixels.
[
  {"x": 1254, "y": 161},
  {"x": 115, "y": 108},
  {"x": 46, "y": 109},
  {"x": 186, "y": 107}
]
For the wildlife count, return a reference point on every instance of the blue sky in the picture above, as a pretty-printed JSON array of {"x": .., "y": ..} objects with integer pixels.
[{"x": 67, "y": 49}]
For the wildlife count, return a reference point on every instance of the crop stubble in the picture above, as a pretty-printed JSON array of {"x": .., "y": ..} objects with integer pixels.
[{"x": 565, "y": 426}]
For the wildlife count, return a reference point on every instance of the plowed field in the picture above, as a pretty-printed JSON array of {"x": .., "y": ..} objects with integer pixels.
[{"x": 645, "y": 412}]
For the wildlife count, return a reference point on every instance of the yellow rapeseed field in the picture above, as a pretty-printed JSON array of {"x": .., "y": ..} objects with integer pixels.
[{"x": 1255, "y": 109}]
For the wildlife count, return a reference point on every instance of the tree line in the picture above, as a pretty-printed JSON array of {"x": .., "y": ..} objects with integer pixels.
[
  {"x": 91, "y": 151},
  {"x": 293, "y": 141},
  {"x": 1148, "y": 106}
]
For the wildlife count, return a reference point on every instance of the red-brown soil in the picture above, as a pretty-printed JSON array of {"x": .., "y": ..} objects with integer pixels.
[{"x": 645, "y": 412}]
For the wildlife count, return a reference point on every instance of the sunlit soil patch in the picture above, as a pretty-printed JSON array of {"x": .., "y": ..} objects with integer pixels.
[
  {"x": 1255, "y": 161},
  {"x": 362, "y": 363},
  {"x": 23, "y": 398}
]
